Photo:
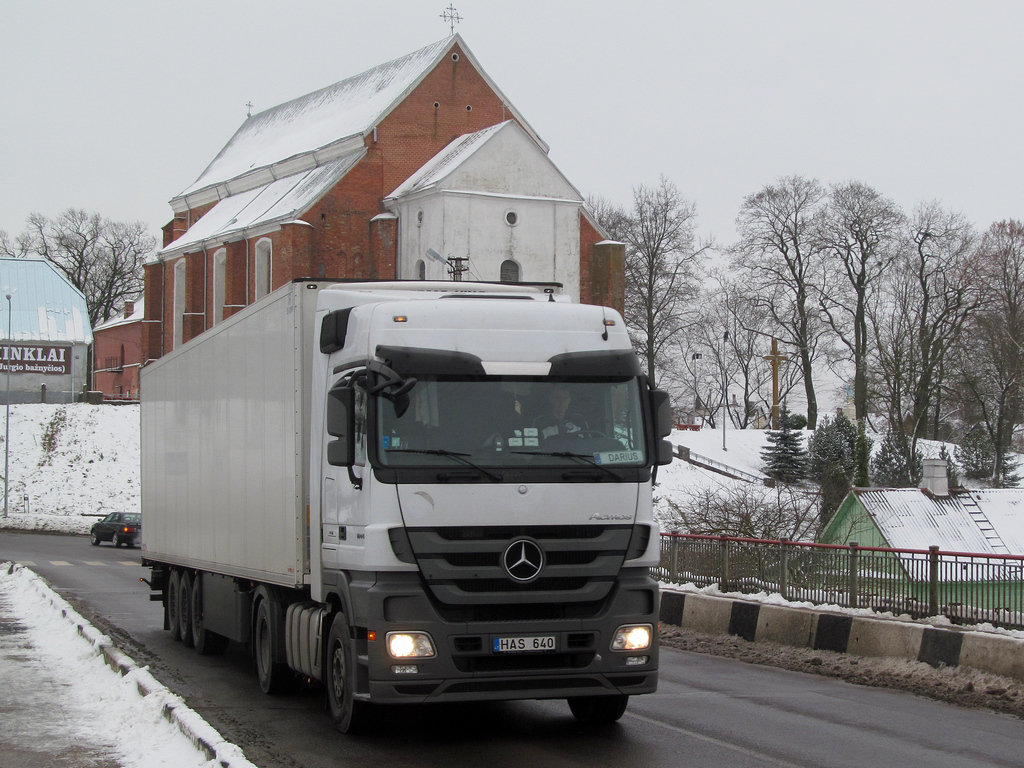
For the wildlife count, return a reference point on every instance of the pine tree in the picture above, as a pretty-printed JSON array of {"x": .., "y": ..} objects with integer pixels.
[
  {"x": 834, "y": 486},
  {"x": 784, "y": 457},
  {"x": 952, "y": 471},
  {"x": 832, "y": 443},
  {"x": 894, "y": 467},
  {"x": 976, "y": 454}
]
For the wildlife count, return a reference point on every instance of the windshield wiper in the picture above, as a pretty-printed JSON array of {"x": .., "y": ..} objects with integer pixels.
[
  {"x": 460, "y": 457},
  {"x": 580, "y": 457}
]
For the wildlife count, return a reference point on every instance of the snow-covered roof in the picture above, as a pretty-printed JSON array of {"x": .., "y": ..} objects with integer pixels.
[
  {"x": 45, "y": 306},
  {"x": 441, "y": 164},
  {"x": 320, "y": 125},
  {"x": 267, "y": 206},
  {"x": 985, "y": 521},
  {"x": 137, "y": 315},
  {"x": 520, "y": 175}
]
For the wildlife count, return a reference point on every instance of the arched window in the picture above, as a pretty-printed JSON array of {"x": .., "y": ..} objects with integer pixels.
[
  {"x": 179, "y": 303},
  {"x": 264, "y": 267},
  {"x": 509, "y": 271},
  {"x": 421, "y": 269},
  {"x": 220, "y": 261}
]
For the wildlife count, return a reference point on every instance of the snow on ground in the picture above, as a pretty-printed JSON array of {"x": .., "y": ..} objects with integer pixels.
[
  {"x": 61, "y": 699},
  {"x": 70, "y": 464},
  {"x": 679, "y": 479}
]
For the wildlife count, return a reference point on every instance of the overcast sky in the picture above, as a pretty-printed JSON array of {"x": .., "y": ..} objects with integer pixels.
[{"x": 115, "y": 106}]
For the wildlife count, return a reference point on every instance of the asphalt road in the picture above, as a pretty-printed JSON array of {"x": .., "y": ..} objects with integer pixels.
[{"x": 709, "y": 711}]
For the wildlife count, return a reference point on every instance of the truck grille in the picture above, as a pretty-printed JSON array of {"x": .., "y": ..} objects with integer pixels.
[{"x": 465, "y": 575}]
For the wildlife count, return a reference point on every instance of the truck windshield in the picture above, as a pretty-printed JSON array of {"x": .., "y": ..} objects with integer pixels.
[{"x": 500, "y": 421}]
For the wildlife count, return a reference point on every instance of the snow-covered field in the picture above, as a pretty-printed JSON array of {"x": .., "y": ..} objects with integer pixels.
[{"x": 70, "y": 464}]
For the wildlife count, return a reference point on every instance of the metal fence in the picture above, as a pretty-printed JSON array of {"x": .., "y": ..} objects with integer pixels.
[{"x": 967, "y": 588}]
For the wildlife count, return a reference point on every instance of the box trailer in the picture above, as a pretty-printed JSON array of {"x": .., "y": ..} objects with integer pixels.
[{"x": 411, "y": 492}]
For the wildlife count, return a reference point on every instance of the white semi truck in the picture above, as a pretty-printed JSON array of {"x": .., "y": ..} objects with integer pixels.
[{"x": 411, "y": 492}]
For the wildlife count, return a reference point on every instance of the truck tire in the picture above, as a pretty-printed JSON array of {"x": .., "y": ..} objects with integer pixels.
[
  {"x": 597, "y": 710},
  {"x": 185, "y": 609},
  {"x": 207, "y": 643},
  {"x": 274, "y": 677},
  {"x": 173, "y": 588},
  {"x": 349, "y": 714}
]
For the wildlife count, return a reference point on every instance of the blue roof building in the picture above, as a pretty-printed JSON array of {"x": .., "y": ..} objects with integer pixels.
[{"x": 46, "y": 331}]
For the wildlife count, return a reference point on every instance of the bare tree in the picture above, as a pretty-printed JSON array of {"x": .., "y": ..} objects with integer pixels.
[
  {"x": 990, "y": 363},
  {"x": 662, "y": 265},
  {"x": 930, "y": 294},
  {"x": 860, "y": 238},
  {"x": 104, "y": 259},
  {"x": 781, "y": 256},
  {"x": 751, "y": 511}
]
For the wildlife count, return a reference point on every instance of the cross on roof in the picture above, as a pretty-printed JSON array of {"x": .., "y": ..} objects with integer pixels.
[
  {"x": 249, "y": 105},
  {"x": 451, "y": 16}
]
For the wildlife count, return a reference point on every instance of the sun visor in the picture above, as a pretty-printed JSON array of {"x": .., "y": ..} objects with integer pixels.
[
  {"x": 596, "y": 363},
  {"x": 415, "y": 361}
]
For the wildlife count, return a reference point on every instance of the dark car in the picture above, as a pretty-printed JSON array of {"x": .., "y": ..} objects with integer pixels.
[{"x": 118, "y": 527}]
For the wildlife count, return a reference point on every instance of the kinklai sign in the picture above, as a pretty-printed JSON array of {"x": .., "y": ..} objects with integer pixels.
[{"x": 31, "y": 358}]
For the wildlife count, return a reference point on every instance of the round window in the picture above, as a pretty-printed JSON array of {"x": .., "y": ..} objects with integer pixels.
[{"x": 511, "y": 218}]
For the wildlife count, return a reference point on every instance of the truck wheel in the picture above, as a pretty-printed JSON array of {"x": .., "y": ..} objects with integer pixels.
[
  {"x": 173, "y": 588},
  {"x": 207, "y": 643},
  {"x": 185, "y": 609},
  {"x": 274, "y": 677},
  {"x": 349, "y": 714},
  {"x": 598, "y": 710}
]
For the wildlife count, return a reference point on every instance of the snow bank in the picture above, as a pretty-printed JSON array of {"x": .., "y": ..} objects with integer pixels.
[{"x": 130, "y": 714}]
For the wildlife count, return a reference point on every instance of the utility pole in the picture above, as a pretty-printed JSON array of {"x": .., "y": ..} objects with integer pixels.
[
  {"x": 7, "y": 423},
  {"x": 696, "y": 393},
  {"x": 725, "y": 391}
]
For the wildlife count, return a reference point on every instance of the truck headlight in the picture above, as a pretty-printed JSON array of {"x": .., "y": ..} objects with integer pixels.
[
  {"x": 409, "y": 645},
  {"x": 632, "y": 637}
]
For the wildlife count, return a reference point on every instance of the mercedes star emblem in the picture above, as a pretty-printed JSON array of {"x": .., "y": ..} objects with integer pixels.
[{"x": 523, "y": 560}]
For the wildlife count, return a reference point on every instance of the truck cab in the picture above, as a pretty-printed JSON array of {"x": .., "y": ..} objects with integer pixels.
[{"x": 483, "y": 463}]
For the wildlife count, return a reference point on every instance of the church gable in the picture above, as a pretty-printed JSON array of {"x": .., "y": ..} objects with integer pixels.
[{"x": 508, "y": 162}]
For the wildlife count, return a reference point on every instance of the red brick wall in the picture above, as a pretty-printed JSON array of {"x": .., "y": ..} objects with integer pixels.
[
  {"x": 108, "y": 344},
  {"x": 340, "y": 241}
]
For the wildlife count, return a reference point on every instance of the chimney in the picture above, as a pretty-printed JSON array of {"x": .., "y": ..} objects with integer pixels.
[
  {"x": 129, "y": 309},
  {"x": 934, "y": 480}
]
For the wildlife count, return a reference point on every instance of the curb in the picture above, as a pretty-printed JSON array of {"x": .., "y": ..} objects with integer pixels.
[
  {"x": 191, "y": 724},
  {"x": 824, "y": 630}
]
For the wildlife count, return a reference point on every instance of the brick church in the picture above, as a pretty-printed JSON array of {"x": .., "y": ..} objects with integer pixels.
[{"x": 419, "y": 168}]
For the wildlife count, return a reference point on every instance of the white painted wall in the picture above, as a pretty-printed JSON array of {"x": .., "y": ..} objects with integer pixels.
[{"x": 464, "y": 214}]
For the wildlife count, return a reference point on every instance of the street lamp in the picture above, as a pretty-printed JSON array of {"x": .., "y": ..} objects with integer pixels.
[
  {"x": 725, "y": 391},
  {"x": 7, "y": 421}
]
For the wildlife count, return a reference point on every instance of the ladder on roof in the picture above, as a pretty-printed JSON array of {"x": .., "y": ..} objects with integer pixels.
[{"x": 978, "y": 516}]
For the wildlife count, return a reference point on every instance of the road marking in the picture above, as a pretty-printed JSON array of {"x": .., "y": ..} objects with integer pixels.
[
  {"x": 129, "y": 562},
  {"x": 26, "y": 563},
  {"x": 94, "y": 562},
  {"x": 59, "y": 562}
]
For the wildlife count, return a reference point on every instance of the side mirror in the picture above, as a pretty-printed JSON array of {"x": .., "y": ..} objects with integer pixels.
[
  {"x": 341, "y": 402},
  {"x": 661, "y": 408}
]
